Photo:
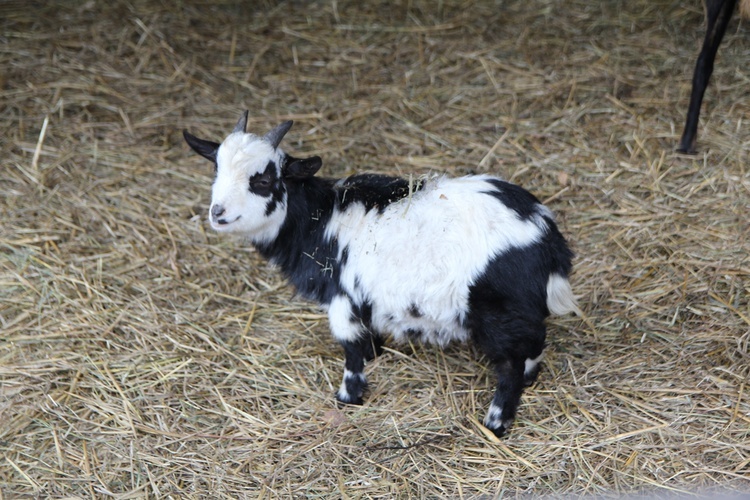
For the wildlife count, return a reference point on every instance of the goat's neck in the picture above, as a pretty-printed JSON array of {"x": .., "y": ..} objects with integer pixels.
[{"x": 301, "y": 249}]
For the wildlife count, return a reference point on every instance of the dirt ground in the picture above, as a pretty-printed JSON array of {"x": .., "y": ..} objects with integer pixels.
[{"x": 144, "y": 356}]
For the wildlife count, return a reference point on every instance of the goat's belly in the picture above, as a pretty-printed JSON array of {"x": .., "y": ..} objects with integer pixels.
[
  {"x": 417, "y": 294},
  {"x": 417, "y": 325}
]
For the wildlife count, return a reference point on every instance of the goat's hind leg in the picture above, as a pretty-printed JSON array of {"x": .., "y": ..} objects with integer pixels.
[
  {"x": 514, "y": 345},
  {"x": 510, "y": 383},
  {"x": 531, "y": 369}
]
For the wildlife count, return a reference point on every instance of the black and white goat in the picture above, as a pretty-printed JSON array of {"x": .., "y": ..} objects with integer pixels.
[{"x": 434, "y": 261}]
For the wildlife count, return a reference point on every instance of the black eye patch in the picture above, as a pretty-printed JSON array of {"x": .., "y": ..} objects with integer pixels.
[{"x": 263, "y": 183}]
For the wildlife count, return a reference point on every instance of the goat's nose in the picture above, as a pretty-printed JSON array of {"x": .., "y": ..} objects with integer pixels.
[{"x": 217, "y": 211}]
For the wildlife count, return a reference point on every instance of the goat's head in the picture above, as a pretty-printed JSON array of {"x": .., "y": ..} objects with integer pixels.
[{"x": 249, "y": 193}]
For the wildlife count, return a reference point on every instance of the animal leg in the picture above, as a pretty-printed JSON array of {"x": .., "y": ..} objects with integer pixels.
[
  {"x": 531, "y": 370},
  {"x": 374, "y": 347},
  {"x": 359, "y": 346},
  {"x": 718, "y": 14},
  {"x": 504, "y": 404},
  {"x": 514, "y": 343},
  {"x": 354, "y": 384}
]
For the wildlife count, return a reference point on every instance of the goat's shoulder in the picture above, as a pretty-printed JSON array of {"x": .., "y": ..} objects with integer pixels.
[{"x": 374, "y": 191}]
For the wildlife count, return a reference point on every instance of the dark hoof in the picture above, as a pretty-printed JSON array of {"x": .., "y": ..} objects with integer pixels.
[
  {"x": 341, "y": 403},
  {"x": 687, "y": 151},
  {"x": 496, "y": 423},
  {"x": 500, "y": 431}
]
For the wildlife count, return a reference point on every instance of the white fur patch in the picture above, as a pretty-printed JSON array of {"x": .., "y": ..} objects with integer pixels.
[
  {"x": 240, "y": 156},
  {"x": 560, "y": 298},
  {"x": 426, "y": 251},
  {"x": 343, "y": 393},
  {"x": 340, "y": 320},
  {"x": 530, "y": 364},
  {"x": 493, "y": 419}
]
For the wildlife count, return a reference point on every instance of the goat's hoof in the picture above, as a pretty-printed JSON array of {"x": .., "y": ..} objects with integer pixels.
[{"x": 346, "y": 399}]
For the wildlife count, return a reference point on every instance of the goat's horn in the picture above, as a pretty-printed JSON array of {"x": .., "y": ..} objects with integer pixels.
[
  {"x": 242, "y": 124},
  {"x": 275, "y": 135}
]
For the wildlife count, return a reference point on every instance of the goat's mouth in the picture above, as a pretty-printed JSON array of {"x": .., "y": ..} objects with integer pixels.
[{"x": 221, "y": 224}]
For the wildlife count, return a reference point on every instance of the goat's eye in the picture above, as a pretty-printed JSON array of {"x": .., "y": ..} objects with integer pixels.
[{"x": 261, "y": 184}]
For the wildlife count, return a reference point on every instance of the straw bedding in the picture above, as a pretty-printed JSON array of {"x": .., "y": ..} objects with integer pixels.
[{"x": 141, "y": 355}]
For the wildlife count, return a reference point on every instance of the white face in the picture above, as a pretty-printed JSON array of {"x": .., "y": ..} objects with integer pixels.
[{"x": 248, "y": 196}]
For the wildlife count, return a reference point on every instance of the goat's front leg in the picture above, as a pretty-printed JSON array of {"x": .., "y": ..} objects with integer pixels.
[
  {"x": 359, "y": 346},
  {"x": 354, "y": 384},
  {"x": 357, "y": 353}
]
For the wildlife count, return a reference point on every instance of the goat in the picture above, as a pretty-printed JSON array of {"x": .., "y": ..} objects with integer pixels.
[
  {"x": 435, "y": 260},
  {"x": 718, "y": 14}
]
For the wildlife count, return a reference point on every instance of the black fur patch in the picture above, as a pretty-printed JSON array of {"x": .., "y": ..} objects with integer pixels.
[
  {"x": 306, "y": 257},
  {"x": 414, "y": 334},
  {"x": 414, "y": 311},
  {"x": 344, "y": 256},
  {"x": 363, "y": 311},
  {"x": 514, "y": 197},
  {"x": 374, "y": 191},
  {"x": 267, "y": 184},
  {"x": 263, "y": 183},
  {"x": 508, "y": 301}
]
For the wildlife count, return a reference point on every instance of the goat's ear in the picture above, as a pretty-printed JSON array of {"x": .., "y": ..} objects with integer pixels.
[
  {"x": 207, "y": 149},
  {"x": 305, "y": 168}
]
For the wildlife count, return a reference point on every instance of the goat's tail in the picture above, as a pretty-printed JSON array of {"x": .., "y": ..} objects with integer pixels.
[
  {"x": 745, "y": 8},
  {"x": 560, "y": 298}
]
